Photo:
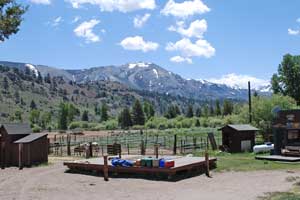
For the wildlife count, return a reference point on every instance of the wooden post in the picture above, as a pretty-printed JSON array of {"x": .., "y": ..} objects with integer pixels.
[
  {"x": 194, "y": 142},
  {"x": 20, "y": 156},
  {"x": 207, "y": 164},
  {"x": 86, "y": 152},
  {"x": 128, "y": 148},
  {"x": 142, "y": 148},
  {"x": 175, "y": 145},
  {"x": 250, "y": 105},
  {"x": 91, "y": 150},
  {"x": 3, "y": 157},
  {"x": 105, "y": 168},
  {"x": 156, "y": 150},
  {"x": 181, "y": 146},
  {"x": 68, "y": 145}
]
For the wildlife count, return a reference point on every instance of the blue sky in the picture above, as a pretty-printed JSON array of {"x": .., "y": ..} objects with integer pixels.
[{"x": 244, "y": 37}]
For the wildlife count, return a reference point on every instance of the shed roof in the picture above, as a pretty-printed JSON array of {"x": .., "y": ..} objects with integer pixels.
[
  {"x": 30, "y": 138},
  {"x": 16, "y": 129},
  {"x": 242, "y": 127}
]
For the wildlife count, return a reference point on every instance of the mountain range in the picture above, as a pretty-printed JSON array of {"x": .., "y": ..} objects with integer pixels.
[{"x": 147, "y": 77}]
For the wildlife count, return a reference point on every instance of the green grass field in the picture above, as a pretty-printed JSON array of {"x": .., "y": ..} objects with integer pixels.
[{"x": 247, "y": 162}]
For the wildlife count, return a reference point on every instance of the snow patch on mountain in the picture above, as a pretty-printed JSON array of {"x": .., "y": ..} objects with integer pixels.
[
  {"x": 139, "y": 64},
  {"x": 237, "y": 81},
  {"x": 33, "y": 69},
  {"x": 155, "y": 72}
]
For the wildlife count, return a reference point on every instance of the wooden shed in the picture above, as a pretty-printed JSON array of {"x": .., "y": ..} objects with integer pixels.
[
  {"x": 20, "y": 147},
  {"x": 238, "y": 138}
]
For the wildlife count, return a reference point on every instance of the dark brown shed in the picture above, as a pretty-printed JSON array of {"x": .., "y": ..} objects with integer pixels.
[
  {"x": 238, "y": 138},
  {"x": 18, "y": 145}
]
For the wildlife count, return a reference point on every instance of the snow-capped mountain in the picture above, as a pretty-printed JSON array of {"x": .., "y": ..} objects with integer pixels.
[{"x": 147, "y": 76}]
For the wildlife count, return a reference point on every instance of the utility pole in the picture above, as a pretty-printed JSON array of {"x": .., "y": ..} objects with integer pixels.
[{"x": 250, "y": 104}]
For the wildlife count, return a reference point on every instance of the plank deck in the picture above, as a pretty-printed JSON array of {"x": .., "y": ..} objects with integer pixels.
[{"x": 181, "y": 164}]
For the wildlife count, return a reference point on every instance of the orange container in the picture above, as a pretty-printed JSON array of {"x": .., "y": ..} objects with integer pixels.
[{"x": 169, "y": 163}]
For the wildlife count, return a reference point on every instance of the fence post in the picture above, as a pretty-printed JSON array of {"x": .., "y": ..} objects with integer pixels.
[
  {"x": 91, "y": 149},
  {"x": 142, "y": 147},
  {"x": 105, "y": 168},
  {"x": 207, "y": 164},
  {"x": 195, "y": 142},
  {"x": 175, "y": 145},
  {"x": 156, "y": 150},
  {"x": 68, "y": 145},
  {"x": 20, "y": 156}
]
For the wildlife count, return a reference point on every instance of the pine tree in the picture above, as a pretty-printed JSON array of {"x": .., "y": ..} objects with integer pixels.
[
  {"x": 198, "y": 112},
  {"x": 33, "y": 105},
  {"x": 47, "y": 79},
  {"x": 190, "y": 112},
  {"x": 63, "y": 116},
  {"x": 218, "y": 108},
  {"x": 125, "y": 120},
  {"x": 138, "y": 117},
  {"x": 227, "y": 107},
  {"x": 197, "y": 124},
  {"x": 85, "y": 116},
  {"x": 104, "y": 112},
  {"x": 5, "y": 84}
]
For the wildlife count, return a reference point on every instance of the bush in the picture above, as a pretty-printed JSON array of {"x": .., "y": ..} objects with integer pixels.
[
  {"x": 138, "y": 127},
  {"x": 36, "y": 128},
  {"x": 111, "y": 125},
  {"x": 187, "y": 123}
]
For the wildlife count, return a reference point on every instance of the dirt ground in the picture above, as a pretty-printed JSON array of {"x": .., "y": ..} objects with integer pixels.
[{"x": 51, "y": 182}]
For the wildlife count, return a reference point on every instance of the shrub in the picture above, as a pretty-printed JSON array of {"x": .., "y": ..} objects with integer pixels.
[
  {"x": 111, "y": 125},
  {"x": 36, "y": 128}
]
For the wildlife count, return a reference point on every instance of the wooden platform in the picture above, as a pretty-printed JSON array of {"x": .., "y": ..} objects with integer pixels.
[
  {"x": 182, "y": 164},
  {"x": 278, "y": 158}
]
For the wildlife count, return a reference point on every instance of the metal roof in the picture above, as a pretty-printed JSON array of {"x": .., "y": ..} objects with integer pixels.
[
  {"x": 16, "y": 129},
  {"x": 242, "y": 127},
  {"x": 30, "y": 138}
]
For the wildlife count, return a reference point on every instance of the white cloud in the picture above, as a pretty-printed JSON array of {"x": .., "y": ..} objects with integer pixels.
[
  {"x": 57, "y": 21},
  {"x": 188, "y": 49},
  {"x": 240, "y": 81},
  {"x": 184, "y": 9},
  {"x": 85, "y": 30},
  {"x": 139, "y": 21},
  {"x": 179, "y": 59},
  {"x": 76, "y": 19},
  {"x": 196, "y": 29},
  {"x": 293, "y": 32},
  {"x": 45, "y": 2},
  {"x": 119, "y": 5},
  {"x": 137, "y": 43}
]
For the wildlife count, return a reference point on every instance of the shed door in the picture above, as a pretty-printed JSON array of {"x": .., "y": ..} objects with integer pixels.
[{"x": 246, "y": 145}]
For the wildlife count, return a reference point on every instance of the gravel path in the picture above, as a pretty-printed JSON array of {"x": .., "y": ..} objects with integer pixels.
[{"x": 50, "y": 182}]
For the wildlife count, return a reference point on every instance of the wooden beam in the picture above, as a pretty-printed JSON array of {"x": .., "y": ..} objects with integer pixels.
[
  {"x": 105, "y": 168},
  {"x": 20, "y": 156},
  {"x": 207, "y": 164},
  {"x": 3, "y": 155},
  {"x": 175, "y": 145}
]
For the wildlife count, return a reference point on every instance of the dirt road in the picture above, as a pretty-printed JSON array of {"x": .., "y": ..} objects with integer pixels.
[{"x": 51, "y": 182}]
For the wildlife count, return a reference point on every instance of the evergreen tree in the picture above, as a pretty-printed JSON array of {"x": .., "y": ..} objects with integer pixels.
[
  {"x": 85, "y": 116},
  {"x": 47, "y": 79},
  {"x": 63, "y": 116},
  {"x": 197, "y": 124},
  {"x": 172, "y": 112},
  {"x": 227, "y": 107},
  {"x": 18, "y": 116},
  {"x": 39, "y": 78},
  {"x": 33, "y": 105},
  {"x": 198, "y": 112},
  {"x": 125, "y": 120},
  {"x": 218, "y": 107},
  {"x": 34, "y": 116},
  {"x": 190, "y": 112},
  {"x": 138, "y": 117},
  {"x": 151, "y": 111},
  {"x": 5, "y": 84},
  {"x": 10, "y": 18},
  {"x": 104, "y": 112},
  {"x": 211, "y": 110}
]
